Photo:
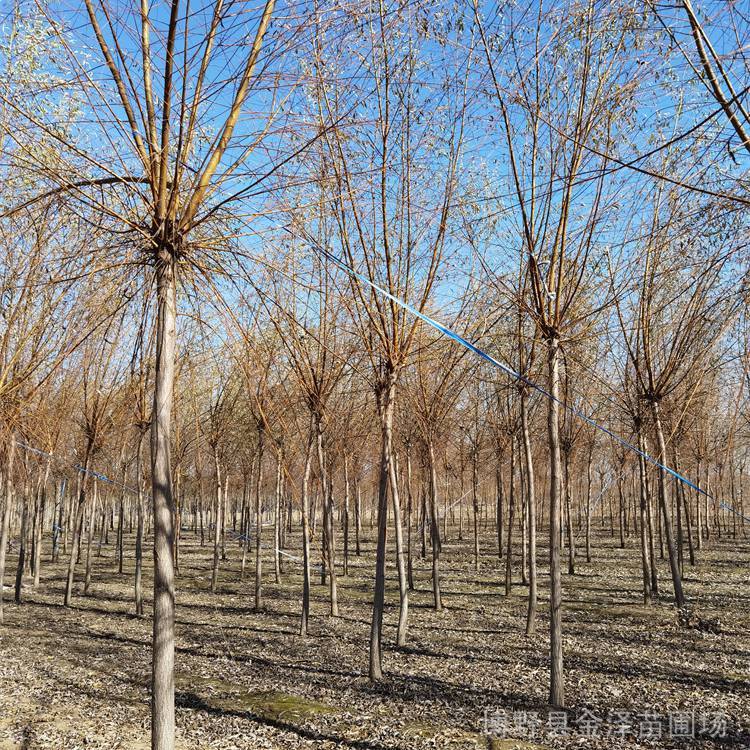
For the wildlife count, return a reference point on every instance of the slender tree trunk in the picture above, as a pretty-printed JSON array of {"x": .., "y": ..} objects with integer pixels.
[
  {"x": 568, "y": 517},
  {"x": 89, "y": 536},
  {"x": 218, "y": 522},
  {"x": 666, "y": 521},
  {"x": 121, "y": 533},
  {"x": 258, "y": 605},
  {"x": 644, "y": 502},
  {"x": 77, "y": 524},
  {"x": 499, "y": 508},
  {"x": 277, "y": 516},
  {"x": 22, "y": 544},
  {"x": 387, "y": 403},
  {"x": 58, "y": 519},
  {"x": 357, "y": 517},
  {"x": 682, "y": 498},
  {"x": 531, "y": 527},
  {"x": 326, "y": 490},
  {"x": 138, "y": 583},
  {"x": 345, "y": 519},
  {"x": 425, "y": 519},
  {"x": 306, "y": 536},
  {"x": 162, "y": 677},
  {"x": 37, "y": 560},
  {"x": 588, "y": 506},
  {"x": 643, "y": 446},
  {"x": 435, "y": 542},
  {"x": 475, "y": 503},
  {"x": 403, "y": 586},
  {"x": 698, "y": 517},
  {"x": 409, "y": 512},
  {"x": 511, "y": 518},
  {"x": 621, "y": 511},
  {"x": 557, "y": 679}
]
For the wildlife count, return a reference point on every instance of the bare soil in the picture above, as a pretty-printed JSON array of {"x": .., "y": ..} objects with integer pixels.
[{"x": 79, "y": 677}]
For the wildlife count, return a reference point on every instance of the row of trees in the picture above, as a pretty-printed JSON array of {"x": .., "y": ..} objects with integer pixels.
[{"x": 284, "y": 179}]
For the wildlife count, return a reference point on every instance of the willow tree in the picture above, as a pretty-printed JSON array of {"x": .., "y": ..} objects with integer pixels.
[
  {"x": 439, "y": 377},
  {"x": 307, "y": 313},
  {"x": 165, "y": 150},
  {"x": 30, "y": 348},
  {"x": 558, "y": 95},
  {"x": 391, "y": 231},
  {"x": 675, "y": 318}
]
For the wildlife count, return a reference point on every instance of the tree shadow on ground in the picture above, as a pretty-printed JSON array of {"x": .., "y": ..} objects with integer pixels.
[{"x": 194, "y": 702}]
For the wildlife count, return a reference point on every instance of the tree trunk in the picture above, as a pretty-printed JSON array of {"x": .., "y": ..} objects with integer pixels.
[
  {"x": 666, "y": 521},
  {"x": 698, "y": 498},
  {"x": 277, "y": 516},
  {"x": 621, "y": 511},
  {"x": 569, "y": 520},
  {"x": 475, "y": 503},
  {"x": 531, "y": 512},
  {"x": 326, "y": 490},
  {"x": 588, "y": 505},
  {"x": 162, "y": 677},
  {"x": 357, "y": 517},
  {"x": 511, "y": 518},
  {"x": 38, "y": 526},
  {"x": 77, "y": 524},
  {"x": 58, "y": 519},
  {"x": 557, "y": 679},
  {"x": 89, "y": 536},
  {"x": 409, "y": 512},
  {"x": 121, "y": 532},
  {"x": 22, "y": 544},
  {"x": 387, "y": 403},
  {"x": 258, "y": 605},
  {"x": 139, "y": 530},
  {"x": 218, "y": 521},
  {"x": 644, "y": 503},
  {"x": 499, "y": 508},
  {"x": 403, "y": 586},
  {"x": 435, "y": 542},
  {"x": 345, "y": 519},
  {"x": 306, "y": 537}
]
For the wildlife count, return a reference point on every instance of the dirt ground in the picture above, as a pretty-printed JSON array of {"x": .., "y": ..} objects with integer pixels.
[{"x": 469, "y": 678}]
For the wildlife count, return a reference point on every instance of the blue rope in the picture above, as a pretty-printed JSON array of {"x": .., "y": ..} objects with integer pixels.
[
  {"x": 78, "y": 467},
  {"x": 515, "y": 375}
]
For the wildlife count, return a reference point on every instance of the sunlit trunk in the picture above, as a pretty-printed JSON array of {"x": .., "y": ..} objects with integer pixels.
[
  {"x": 588, "y": 507},
  {"x": 499, "y": 504},
  {"x": 531, "y": 512},
  {"x": 511, "y": 519},
  {"x": 77, "y": 524},
  {"x": 387, "y": 403},
  {"x": 475, "y": 505},
  {"x": 89, "y": 536},
  {"x": 568, "y": 518},
  {"x": 258, "y": 604},
  {"x": 162, "y": 678},
  {"x": 434, "y": 528},
  {"x": 409, "y": 512},
  {"x": 218, "y": 521},
  {"x": 347, "y": 502},
  {"x": 403, "y": 587},
  {"x": 277, "y": 516},
  {"x": 326, "y": 491},
  {"x": 644, "y": 502},
  {"x": 666, "y": 521},
  {"x": 557, "y": 679},
  {"x": 138, "y": 583},
  {"x": 306, "y": 537}
]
